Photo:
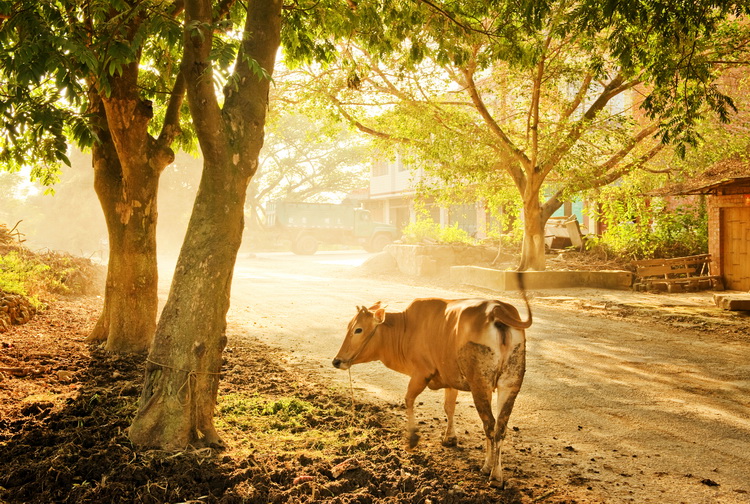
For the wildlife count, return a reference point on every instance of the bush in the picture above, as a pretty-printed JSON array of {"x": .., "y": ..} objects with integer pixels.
[
  {"x": 19, "y": 275},
  {"x": 646, "y": 230},
  {"x": 42, "y": 276},
  {"x": 428, "y": 230}
]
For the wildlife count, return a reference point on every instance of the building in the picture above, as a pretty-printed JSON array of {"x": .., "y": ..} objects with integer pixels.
[
  {"x": 393, "y": 189},
  {"x": 727, "y": 189}
]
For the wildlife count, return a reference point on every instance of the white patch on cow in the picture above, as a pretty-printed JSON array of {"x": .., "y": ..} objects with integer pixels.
[{"x": 462, "y": 304}]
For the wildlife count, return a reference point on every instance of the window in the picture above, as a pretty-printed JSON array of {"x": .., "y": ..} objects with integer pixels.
[{"x": 379, "y": 168}]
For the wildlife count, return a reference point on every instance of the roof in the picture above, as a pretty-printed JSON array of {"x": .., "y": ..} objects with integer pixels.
[{"x": 728, "y": 172}]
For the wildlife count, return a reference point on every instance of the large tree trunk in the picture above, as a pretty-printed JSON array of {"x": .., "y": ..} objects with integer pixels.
[
  {"x": 182, "y": 373},
  {"x": 532, "y": 251},
  {"x": 126, "y": 180}
]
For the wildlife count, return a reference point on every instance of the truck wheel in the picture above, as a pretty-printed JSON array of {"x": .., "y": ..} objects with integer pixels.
[
  {"x": 379, "y": 241},
  {"x": 305, "y": 245}
]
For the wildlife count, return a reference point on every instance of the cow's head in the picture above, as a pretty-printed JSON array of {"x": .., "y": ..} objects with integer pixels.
[{"x": 360, "y": 331}]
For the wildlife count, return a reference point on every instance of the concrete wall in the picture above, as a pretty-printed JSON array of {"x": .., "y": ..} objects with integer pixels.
[
  {"x": 459, "y": 262},
  {"x": 431, "y": 260},
  {"x": 508, "y": 280}
]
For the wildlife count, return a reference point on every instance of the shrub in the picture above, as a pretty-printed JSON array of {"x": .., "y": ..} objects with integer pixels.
[
  {"x": 426, "y": 229},
  {"x": 645, "y": 229},
  {"x": 42, "y": 276}
]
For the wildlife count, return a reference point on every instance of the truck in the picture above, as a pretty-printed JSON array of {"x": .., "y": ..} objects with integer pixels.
[{"x": 307, "y": 225}]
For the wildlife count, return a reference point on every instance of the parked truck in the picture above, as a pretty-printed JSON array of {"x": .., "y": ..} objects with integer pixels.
[{"x": 307, "y": 225}]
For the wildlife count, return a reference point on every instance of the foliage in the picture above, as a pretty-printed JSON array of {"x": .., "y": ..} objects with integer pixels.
[
  {"x": 54, "y": 56},
  {"x": 19, "y": 275},
  {"x": 540, "y": 100},
  {"x": 646, "y": 228},
  {"x": 679, "y": 49},
  {"x": 425, "y": 229},
  {"x": 38, "y": 276}
]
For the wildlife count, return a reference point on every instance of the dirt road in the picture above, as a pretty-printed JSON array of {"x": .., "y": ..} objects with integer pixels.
[{"x": 613, "y": 411}]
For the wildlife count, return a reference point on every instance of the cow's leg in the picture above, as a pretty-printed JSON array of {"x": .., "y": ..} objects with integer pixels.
[
  {"x": 508, "y": 386},
  {"x": 478, "y": 365},
  {"x": 416, "y": 385},
  {"x": 450, "y": 439},
  {"x": 483, "y": 402}
]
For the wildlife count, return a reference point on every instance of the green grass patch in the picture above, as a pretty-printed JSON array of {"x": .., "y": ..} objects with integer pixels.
[
  {"x": 253, "y": 412},
  {"x": 291, "y": 425},
  {"x": 21, "y": 275}
]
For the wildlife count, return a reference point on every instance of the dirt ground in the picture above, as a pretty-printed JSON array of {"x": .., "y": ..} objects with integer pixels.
[{"x": 65, "y": 408}]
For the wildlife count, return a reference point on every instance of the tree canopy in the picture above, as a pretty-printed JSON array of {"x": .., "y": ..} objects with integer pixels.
[
  {"x": 555, "y": 102},
  {"x": 305, "y": 158}
]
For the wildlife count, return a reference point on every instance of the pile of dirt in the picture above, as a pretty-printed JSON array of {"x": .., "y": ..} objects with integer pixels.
[{"x": 63, "y": 433}]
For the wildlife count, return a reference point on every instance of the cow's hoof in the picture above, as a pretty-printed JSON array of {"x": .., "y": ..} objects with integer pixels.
[
  {"x": 497, "y": 483},
  {"x": 486, "y": 469},
  {"x": 450, "y": 442},
  {"x": 413, "y": 439}
]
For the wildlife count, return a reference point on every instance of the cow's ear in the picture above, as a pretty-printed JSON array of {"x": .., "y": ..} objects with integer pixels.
[
  {"x": 379, "y": 315},
  {"x": 375, "y": 306}
]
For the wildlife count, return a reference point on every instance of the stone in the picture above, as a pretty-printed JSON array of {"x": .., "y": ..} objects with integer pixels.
[{"x": 733, "y": 302}]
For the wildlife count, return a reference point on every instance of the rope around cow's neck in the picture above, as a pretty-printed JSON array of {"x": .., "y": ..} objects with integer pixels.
[
  {"x": 351, "y": 389},
  {"x": 351, "y": 383}
]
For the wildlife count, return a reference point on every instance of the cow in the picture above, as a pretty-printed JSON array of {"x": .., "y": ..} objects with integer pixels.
[{"x": 474, "y": 345}]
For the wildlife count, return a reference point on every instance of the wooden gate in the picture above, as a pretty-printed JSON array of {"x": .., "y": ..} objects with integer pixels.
[{"x": 735, "y": 248}]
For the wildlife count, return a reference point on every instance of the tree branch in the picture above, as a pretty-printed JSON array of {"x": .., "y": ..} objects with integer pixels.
[
  {"x": 453, "y": 20},
  {"x": 364, "y": 129},
  {"x": 611, "y": 173},
  {"x": 579, "y": 127},
  {"x": 197, "y": 71},
  {"x": 616, "y": 158},
  {"x": 506, "y": 142},
  {"x": 171, "y": 127},
  {"x": 580, "y": 95},
  {"x": 532, "y": 124}
]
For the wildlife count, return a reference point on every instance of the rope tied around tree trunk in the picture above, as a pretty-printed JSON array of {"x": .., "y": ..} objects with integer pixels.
[
  {"x": 189, "y": 371},
  {"x": 191, "y": 374}
]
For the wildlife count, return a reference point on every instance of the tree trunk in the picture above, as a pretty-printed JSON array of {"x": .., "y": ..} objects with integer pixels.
[
  {"x": 128, "y": 319},
  {"x": 532, "y": 251},
  {"x": 183, "y": 369},
  {"x": 182, "y": 372}
]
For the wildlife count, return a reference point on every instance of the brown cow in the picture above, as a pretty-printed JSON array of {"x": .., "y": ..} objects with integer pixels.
[{"x": 475, "y": 345}]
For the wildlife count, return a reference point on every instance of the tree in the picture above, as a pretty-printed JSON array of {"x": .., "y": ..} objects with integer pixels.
[
  {"x": 74, "y": 71},
  {"x": 306, "y": 158},
  {"x": 182, "y": 373},
  {"x": 184, "y": 364},
  {"x": 537, "y": 101},
  {"x": 672, "y": 227}
]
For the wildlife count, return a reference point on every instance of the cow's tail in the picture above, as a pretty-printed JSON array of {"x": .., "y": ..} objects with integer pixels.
[
  {"x": 508, "y": 315},
  {"x": 522, "y": 288}
]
